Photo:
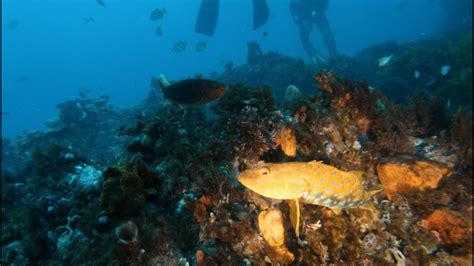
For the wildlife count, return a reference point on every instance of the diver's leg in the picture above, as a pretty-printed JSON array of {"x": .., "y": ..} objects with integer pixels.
[
  {"x": 322, "y": 24},
  {"x": 207, "y": 17},
  {"x": 261, "y": 12},
  {"x": 305, "y": 30}
]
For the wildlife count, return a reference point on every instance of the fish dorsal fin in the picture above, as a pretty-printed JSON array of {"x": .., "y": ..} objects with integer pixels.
[
  {"x": 295, "y": 215},
  {"x": 358, "y": 174}
]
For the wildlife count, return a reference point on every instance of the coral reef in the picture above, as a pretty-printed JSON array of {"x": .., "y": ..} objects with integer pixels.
[
  {"x": 397, "y": 79},
  {"x": 270, "y": 69},
  {"x": 156, "y": 185}
]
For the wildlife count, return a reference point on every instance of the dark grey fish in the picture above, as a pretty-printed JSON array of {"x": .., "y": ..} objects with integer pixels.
[
  {"x": 101, "y": 2},
  {"x": 201, "y": 46},
  {"x": 179, "y": 46},
  {"x": 5, "y": 113},
  {"x": 13, "y": 24},
  {"x": 23, "y": 78},
  {"x": 402, "y": 5},
  {"x": 192, "y": 91},
  {"x": 158, "y": 13},
  {"x": 159, "y": 31},
  {"x": 88, "y": 20}
]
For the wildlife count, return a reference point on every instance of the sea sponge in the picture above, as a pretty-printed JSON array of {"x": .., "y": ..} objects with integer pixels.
[
  {"x": 402, "y": 177},
  {"x": 286, "y": 138},
  {"x": 270, "y": 223},
  {"x": 450, "y": 226}
]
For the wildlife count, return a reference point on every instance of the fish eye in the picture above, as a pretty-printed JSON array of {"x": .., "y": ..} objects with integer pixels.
[{"x": 265, "y": 171}]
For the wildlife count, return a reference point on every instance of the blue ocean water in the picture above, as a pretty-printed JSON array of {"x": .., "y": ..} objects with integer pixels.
[
  {"x": 52, "y": 54},
  {"x": 128, "y": 138}
]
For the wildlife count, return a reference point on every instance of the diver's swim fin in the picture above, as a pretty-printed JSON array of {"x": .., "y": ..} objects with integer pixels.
[
  {"x": 261, "y": 13},
  {"x": 207, "y": 17}
]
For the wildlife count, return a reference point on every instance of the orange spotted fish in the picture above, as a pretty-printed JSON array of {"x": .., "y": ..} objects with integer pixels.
[{"x": 313, "y": 182}]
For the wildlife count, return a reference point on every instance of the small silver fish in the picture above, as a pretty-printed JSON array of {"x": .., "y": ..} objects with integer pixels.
[
  {"x": 382, "y": 61},
  {"x": 179, "y": 46},
  {"x": 445, "y": 70},
  {"x": 416, "y": 74},
  {"x": 201, "y": 46},
  {"x": 158, "y": 13}
]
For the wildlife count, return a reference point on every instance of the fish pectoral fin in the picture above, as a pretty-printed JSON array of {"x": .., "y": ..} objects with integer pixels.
[
  {"x": 336, "y": 210},
  {"x": 374, "y": 190},
  {"x": 295, "y": 215},
  {"x": 358, "y": 174}
]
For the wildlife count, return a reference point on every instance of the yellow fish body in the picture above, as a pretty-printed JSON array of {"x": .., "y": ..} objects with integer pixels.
[{"x": 312, "y": 182}]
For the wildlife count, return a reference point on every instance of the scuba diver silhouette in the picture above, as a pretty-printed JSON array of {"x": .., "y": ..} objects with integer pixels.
[
  {"x": 309, "y": 13},
  {"x": 209, "y": 10}
]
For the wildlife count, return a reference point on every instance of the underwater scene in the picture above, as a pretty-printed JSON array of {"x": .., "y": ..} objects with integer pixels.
[{"x": 236, "y": 132}]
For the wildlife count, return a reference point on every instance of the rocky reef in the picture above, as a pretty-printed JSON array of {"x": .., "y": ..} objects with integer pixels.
[
  {"x": 170, "y": 195},
  {"x": 417, "y": 68}
]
